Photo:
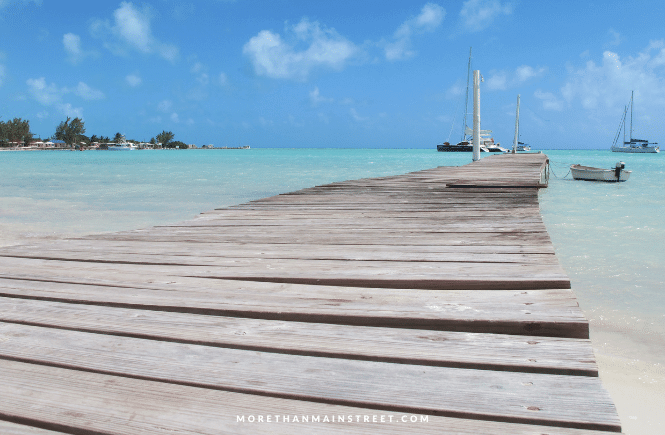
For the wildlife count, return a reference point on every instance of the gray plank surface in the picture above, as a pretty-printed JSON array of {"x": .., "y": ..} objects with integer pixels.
[
  {"x": 406, "y": 346},
  {"x": 568, "y": 401},
  {"x": 97, "y": 403},
  {"x": 552, "y": 313}
]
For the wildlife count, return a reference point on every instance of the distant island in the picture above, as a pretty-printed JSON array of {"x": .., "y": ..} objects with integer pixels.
[{"x": 15, "y": 135}]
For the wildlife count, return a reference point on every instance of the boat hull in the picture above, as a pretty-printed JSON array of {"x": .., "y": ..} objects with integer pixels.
[
  {"x": 588, "y": 173},
  {"x": 448, "y": 148},
  {"x": 462, "y": 147},
  {"x": 647, "y": 149},
  {"x": 121, "y": 148}
]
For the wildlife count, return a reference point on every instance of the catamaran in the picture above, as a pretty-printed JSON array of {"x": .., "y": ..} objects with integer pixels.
[
  {"x": 466, "y": 144},
  {"x": 633, "y": 145}
]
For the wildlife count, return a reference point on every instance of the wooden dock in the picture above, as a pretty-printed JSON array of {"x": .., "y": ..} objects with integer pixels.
[{"x": 430, "y": 302}]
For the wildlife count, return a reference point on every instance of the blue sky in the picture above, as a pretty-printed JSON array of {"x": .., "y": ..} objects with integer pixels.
[{"x": 363, "y": 74}]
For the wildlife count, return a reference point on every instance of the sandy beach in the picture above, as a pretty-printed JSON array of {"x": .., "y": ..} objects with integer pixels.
[{"x": 632, "y": 369}]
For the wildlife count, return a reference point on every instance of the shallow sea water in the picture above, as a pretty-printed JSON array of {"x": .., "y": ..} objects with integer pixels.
[{"x": 609, "y": 237}]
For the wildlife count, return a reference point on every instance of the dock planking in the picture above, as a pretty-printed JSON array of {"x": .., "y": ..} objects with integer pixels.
[{"x": 434, "y": 294}]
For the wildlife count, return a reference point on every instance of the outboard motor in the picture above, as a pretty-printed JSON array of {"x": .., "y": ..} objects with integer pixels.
[{"x": 617, "y": 170}]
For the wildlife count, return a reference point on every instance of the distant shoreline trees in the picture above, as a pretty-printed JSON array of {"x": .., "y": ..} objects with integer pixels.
[
  {"x": 72, "y": 133},
  {"x": 164, "y": 138},
  {"x": 15, "y": 131}
]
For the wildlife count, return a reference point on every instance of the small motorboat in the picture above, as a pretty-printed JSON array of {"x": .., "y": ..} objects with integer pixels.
[{"x": 618, "y": 173}]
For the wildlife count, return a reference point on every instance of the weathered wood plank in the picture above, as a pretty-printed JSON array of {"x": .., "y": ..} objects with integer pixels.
[
  {"x": 9, "y": 428},
  {"x": 450, "y": 239},
  {"x": 404, "y": 346},
  {"x": 553, "y": 313},
  {"x": 551, "y": 400},
  {"x": 89, "y": 403},
  {"x": 353, "y": 273},
  {"x": 203, "y": 252}
]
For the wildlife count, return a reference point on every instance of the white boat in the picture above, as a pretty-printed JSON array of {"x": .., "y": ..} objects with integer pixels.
[
  {"x": 517, "y": 145},
  {"x": 466, "y": 143},
  {"x": 122, "y": 147},
  {"x": 633, "y": 145},
  {"x": 618, "y": 173}
]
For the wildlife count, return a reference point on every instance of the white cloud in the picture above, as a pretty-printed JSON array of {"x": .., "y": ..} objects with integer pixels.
[
  {"x": 315, "y": 97},
  {"x": 608, "y": 84},
  {"x": 165, "y": 105},
  {"x": 276, "y": 58},
  {"x": 49, "y": 94},
  {"x": 498, "y": 81},
  {"x": 502, "y": 80},
  {"x": 525, "y": 72},
  {"x": 356, "y": 116},
  {"x": 455, "y": 90},
  {"x": 131, "y": 30},
  {"x": 477, "y": 15},
  {"x": 222, "y": 79},
  {"x": 175, "y": 118},
  {"x": 52, "y": 95},
  {"x": 200, "y": 71},
  {"x": 2, "y": 73},
  {"x": 429, "y": 19},
  {"x": 196, "y": 68},
  {"x": 133, "y": 80},
  {"x": 265, "y": 122},
  {"x": 550, "y": 101},
  {"x": 72, "y": 45},
  {"x": 87, "y": 93},
  {"x": 203, "y": 79},
  {"x": 46, "y": 94},
  {"x": 68, "y": 110}
]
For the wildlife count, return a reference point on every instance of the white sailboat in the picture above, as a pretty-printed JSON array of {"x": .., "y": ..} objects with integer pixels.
[
  {"x": 517, "y": 145},
  {"x": 633, "y": 145},
  {"x": 466, "y": 143}
]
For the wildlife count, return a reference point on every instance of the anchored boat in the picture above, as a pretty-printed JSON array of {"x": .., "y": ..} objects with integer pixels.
[
  {"x": 588, "y": 173},
  {"x": 487, "y": 144},
  {"x": 633, "y": 145},
  {"x": 122, "y": 147}
]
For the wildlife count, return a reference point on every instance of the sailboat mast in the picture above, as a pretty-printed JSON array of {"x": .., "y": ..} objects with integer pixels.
[
  {"x": 624, "y": 124},
  {"x": 466, "y": 103},
  {"x": 476, "y": 115},
  {"x": 631, "y": 115}
]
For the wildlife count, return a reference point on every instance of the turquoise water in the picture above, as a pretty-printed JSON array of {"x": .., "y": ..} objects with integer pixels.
[
  {"x": 610, "y": 238},
  {"x": 53, "y": 193}
]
